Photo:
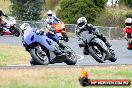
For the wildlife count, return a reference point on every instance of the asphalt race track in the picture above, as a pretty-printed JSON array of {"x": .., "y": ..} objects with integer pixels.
[{"x": 124, "y": 56}]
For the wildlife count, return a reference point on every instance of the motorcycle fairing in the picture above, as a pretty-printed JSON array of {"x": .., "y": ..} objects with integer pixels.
[{"x": 27, "y": 38}]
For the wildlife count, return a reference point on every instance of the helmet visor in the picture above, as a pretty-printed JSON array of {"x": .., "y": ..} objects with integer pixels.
[
  {"x": 81, "y": 24},
  {"x": 49, "y": 14},
  {"x": 128, "y": 24}
]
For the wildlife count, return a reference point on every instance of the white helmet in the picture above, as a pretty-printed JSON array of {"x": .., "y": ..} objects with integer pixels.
[
  {"x": 128, "y": 22},
  {"x": 49, "y": 13},
  {"x": 25, "y": 26},
  {"x": 81, "y": 22}
]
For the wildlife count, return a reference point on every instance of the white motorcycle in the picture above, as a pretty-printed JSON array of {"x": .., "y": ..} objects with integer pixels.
[{"x": 8, "y": 27}]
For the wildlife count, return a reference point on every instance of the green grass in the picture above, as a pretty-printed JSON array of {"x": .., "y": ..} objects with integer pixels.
[
  {"x": 61, "y": 77},
  {"x": 51, "y": 77},
  {"x": 13, "y": 55}
]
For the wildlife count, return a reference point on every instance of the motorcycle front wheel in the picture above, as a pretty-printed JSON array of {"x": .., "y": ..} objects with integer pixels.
[
  {"x": 39, "y": 55},
  {"x": 97, "y": 53}
]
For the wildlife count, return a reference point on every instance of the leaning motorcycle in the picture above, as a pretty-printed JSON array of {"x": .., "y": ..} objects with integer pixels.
[
  {"x": 96, "y": 47},
  {"x": 8, "y": 27},
  {"x": 59, "y": 29},
  {"x": 42, "y": 50}
]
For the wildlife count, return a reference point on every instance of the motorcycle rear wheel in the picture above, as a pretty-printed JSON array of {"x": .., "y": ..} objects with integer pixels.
[
  {"x": 65, "y": 36},
  {"x": 113, "y": 59},
  {"x": 71, "y": 58}
]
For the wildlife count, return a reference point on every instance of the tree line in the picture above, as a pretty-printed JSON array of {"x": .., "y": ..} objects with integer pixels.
[{"x": 69, "y": 10}]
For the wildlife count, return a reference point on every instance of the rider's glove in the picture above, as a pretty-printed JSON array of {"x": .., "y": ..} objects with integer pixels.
[
  {"x": 51, "y": 32},
  {"x": 37, "y": 32},
  {"x": 126, "y": 37}
]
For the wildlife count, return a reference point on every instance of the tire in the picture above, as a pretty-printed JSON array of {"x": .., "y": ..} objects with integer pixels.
[
  {"x": 1, "y": 32},
  {"x": 65, "y": 37},
  {"x": 32, "y": 62},
  {"x": 16, "y": 32},
  {"x": 37, "y": 58},
  {"x": 113, "y": 59},
  {"x": 95, "y": 56},
  {"x": 85, "y": 52},
  {"x": 71, "y": 58}
]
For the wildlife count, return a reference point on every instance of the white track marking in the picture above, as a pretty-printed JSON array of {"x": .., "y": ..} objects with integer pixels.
[{"x": 81, "y": 57}]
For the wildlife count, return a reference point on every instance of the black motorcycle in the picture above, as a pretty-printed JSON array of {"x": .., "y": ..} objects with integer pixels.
[{"x": 96, "y": 47}]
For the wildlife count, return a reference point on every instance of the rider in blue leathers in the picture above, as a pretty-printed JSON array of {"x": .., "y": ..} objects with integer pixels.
[{"x": 28, "y": 31}]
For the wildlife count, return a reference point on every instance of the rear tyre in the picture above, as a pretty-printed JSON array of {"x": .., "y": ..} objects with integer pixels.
[
  {"x": 1, "y": 32},
  {"x": 16, "y": 32},
  {"x": 40, "y": 56},
  {"x": 71, "y": 58},
  {"x": 113, "y": 59},
  {"x": 85, "y": 52},
  {"x": 65, "y": 37}
]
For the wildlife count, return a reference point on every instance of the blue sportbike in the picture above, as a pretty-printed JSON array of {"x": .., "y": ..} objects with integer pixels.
[{"x": 44, "y": 50}]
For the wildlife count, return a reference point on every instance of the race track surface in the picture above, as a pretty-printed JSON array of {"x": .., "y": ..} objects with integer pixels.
[{"x": 124, "y": 56}]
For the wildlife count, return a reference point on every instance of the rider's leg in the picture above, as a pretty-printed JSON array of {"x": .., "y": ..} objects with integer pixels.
[
  {"x": 104, "y": 40},
  {"x": 52, "y": 36}
]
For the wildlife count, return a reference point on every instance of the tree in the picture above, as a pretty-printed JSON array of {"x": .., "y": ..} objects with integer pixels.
[
  {"x": 128, "y": 3},
  {"x": 71, "y": 10},
  {"x": 27, "y": 9}
]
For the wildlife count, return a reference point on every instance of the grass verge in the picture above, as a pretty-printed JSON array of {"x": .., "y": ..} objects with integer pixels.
[
  {"x": 60, "y": 77},
  {"x": 13, "y": 55}
]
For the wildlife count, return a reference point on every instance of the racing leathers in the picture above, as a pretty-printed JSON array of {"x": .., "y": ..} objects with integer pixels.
[
  {"x": 92, "y": 29},
  {"x": 49, "y": 21},
  {"x": 127, "y": 31}
]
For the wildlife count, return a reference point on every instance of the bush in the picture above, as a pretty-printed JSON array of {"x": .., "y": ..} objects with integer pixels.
[
  {"x": 27, "y": 9},
  {"x": 112, "y": 18},
  {"x": 128, "y": 3},
  {"x": 71, "y": 10}
]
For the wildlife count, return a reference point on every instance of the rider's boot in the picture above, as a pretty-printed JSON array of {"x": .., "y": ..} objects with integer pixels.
[
  {"x": 108, "y": 44},
  {"x": 57, "y": 52}
]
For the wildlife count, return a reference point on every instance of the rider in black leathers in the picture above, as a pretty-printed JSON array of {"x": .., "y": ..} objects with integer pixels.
[{"x": 82, "y": 25}]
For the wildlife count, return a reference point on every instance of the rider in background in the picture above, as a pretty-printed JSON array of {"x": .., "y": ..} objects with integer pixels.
[
  {"x": 49, "y": 21},
  {"x": 2, "y": 14},
  {"x": 127, "y": 31},
  {"x": 82, "y": 25}
]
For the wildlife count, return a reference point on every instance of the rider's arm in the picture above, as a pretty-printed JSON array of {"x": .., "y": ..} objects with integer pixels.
[
  {"x": 49, "y": 28},
  {"x": 125, "y": 34},
  {"x": 55, "y": 18}
]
